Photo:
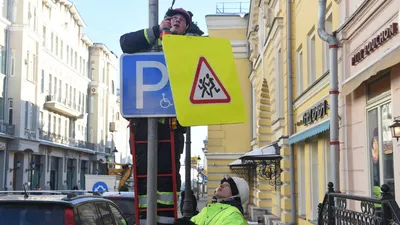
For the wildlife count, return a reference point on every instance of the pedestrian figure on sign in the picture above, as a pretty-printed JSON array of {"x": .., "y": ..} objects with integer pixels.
[{"x": 210, "y": 84}]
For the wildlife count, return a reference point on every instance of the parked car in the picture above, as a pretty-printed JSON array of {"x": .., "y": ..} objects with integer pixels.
[
  {"x": 126, "y": 202},
  {"x": 53, "y": 209}
]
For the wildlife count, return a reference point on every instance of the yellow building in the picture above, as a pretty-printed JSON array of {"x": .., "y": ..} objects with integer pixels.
[
  {"x": 266, "y": 34},
  {"x": 311, "y": 106},
  {"x": 226, "y": 143}
]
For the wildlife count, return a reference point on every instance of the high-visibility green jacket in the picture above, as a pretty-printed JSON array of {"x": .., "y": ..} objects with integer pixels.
[{"x": 219, "y": 214}]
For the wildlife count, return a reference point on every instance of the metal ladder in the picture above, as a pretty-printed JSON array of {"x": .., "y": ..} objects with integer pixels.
[{"x": 172, "y": 125}]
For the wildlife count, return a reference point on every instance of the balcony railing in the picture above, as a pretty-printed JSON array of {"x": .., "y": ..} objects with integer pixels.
[
  {"x": 64, "y": 102},
  {"x": 333, "y": 210},
  {"x": 233, "y": 7},
  {"x": 6, "y": 128},
  {"x": 56, "y": 138}
]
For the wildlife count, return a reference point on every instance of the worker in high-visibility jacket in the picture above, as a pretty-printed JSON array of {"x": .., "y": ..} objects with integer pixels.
[
  {"x": 179, "y": 22},
  {"x": 231, "y": 194}
]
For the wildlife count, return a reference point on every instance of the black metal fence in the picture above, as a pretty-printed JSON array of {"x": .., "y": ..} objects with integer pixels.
[{"x": 333, "y": 210}]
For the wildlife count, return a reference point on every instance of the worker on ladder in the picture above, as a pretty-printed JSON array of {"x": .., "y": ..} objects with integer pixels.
[{"x": 179, "y": 22}]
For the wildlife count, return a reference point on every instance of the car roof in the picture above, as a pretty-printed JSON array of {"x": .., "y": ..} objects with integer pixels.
[
  {"x": 69, "y": 199},
  {"x": 126, "y": 194}
]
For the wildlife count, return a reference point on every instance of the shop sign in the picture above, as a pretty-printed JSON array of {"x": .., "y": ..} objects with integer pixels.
[
  {"x": 375, "y": 43},
  {"x": 314, "y": 113}
]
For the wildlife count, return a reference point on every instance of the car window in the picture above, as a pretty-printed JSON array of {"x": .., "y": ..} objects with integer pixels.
[
  {"x": 117, "y": 215},
  {"x": 28, "y": 214},
  {"x": 88, "y": 214},
  {"x": 127, "y": 205},
  {"x": 105, "y": 213}
]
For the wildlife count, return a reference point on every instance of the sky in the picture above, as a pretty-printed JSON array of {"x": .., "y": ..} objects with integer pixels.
[{"x": 107, "y": 20}]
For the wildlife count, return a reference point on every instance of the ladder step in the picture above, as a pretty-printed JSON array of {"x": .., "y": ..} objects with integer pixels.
[
  {"x": 145, "y": 142},
  {"x": 158, "y": 209},
  {"x": 158, "y": 175}
]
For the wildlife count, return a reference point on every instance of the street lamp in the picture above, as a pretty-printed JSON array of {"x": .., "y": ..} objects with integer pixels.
[
  {"x": 198, "y": 177},
  {"x": 396, "y": 128}
]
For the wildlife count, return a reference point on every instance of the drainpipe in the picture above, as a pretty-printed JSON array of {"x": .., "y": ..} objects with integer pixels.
[
  {"x": 290, "y": 109},
  {"x": 5, "y": 90},
  {"x": 333, "y": 92}
]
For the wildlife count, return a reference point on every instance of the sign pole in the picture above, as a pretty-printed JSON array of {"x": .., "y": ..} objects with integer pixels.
[
  {"x": 152, "y": 138},
  {"x": 188, "y": 201}
]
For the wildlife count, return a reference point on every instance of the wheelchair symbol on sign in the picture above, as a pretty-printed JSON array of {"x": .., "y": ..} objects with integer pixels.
[{"x": 165, "y": 103}]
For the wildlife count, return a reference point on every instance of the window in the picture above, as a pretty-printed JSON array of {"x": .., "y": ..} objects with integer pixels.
[
  {"x": 52, "y": 42},
  {"x": 380, "y": 147},
  {"x": 66, "y": 92},
  {"x": 10, "y": 112},
  {"x": 311, "y": 58},
  {"x": 44, "y": 36},
  {"x": 3, "y": 60},
  {"x": 66, "y": 128},
  {"x": 88, "y": 214},
  {"x": 59, "y": 90},
  {"x": 55, "y": 87},
  {"x": 112, "y": 87},
  {"x": 50, "y": 83},
  {"x": 67, "y": 54},
  {"x": 105, "y": 213},
  {"x": 28, "y": 72},
  {"x": 54, "y": 125},
  {"x": 41, "y": 120},
  {"x": 62, "y": 50},
  {"x": 30, "y": 15},
  {"x": 42, "y": 82},
  {"x": 84, "y": 68},
  {"x": 299, "y": 72},
  {"x": 32, "y": 111},
  {"x": 72, "y": 57},
  {"x": 59, "y": 126},
  {"x": 80, "y": 64},
  {"x": 56, "y": 46},
  {"x": 119, "y": 219},
  {"x": 34, "y": 19},
  {"x": 325, "y": 47},
  {"x": 34, "y": 67},
  {"x": 76, "y": 61},
  {"x": 26, "y": 114},
  {"x": 314, "y": 181},
  {"x": 49, "y": 127},
  {"x": 301, "y": 174}
]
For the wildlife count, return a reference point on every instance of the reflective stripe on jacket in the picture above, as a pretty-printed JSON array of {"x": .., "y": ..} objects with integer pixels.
[{"x": 219, "y": 214}]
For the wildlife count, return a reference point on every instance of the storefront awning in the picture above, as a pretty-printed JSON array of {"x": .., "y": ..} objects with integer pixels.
[
  {"x": 310, "y": 131},
  {"x": 266, "y": 152},
  {"x": 390, "y": 58}
]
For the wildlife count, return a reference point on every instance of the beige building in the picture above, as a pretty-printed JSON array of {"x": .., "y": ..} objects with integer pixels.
[{"x": 61, "y": 109}]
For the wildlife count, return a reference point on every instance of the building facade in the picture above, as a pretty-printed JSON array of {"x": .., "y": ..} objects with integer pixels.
[
  {"x": 59, "y": 94},
  {"x": 369, "y": 74},
  {"x": 226, "y": 143},
  {"x": 311, "y": 106}
]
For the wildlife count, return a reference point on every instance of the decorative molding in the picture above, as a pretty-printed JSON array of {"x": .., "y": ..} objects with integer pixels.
[
  {"x": 224, "y": 22},
  {"x": 232, "y": 156},
  {"x": 312, "y": 92}
]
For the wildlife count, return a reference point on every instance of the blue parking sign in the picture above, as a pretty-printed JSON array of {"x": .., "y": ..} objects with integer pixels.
[{"x": 145, "y": 86}]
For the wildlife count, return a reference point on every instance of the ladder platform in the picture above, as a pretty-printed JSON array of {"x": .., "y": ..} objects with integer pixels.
[
  {"x": 158, "y": 209},
  {"x": 158, "y": 175},
  {"x": 159, "y": 141}
]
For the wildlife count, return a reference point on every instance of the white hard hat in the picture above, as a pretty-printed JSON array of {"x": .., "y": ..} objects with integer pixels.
[{"x": 243, "y": 188}]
